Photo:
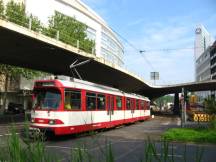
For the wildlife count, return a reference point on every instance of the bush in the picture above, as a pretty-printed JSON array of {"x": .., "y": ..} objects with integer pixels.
[
  {"x": 35, "y": 23},
  {"x": 210, "y": 105},
  {"x": 15, "y": 12},
  {"x": 70, "y": 31}
]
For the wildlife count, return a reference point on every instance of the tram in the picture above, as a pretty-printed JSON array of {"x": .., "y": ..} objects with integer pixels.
[{"x": 72, "y": 106}]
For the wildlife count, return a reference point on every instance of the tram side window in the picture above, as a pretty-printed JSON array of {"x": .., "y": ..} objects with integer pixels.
[
  {"x": 90, "y": 101},
  {"x": 128, "y": 104},
  {"x": 73, "y": 100},
  {"x": 147, "y": 105},
  {"x": 101, "y": 102},
  {"x": 118, "y": 102},
  {"x": 137, "y": 104},
  {"x": 142, "y": 105},
  {"x": 132, "y": 104}
]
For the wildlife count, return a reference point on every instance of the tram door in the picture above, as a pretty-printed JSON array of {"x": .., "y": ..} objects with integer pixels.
[{"x": 110, "y": 106}]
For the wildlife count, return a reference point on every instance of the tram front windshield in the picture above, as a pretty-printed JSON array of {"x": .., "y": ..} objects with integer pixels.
[{"x": 47, "y": 99}]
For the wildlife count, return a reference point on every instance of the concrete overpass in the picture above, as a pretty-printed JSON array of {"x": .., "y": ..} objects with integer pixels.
[{"x": 25, "y": 48}]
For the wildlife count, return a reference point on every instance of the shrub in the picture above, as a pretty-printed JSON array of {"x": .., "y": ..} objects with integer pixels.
[
  {"x": 15, "y": 12},
  {"x": 210, "y": 105}
]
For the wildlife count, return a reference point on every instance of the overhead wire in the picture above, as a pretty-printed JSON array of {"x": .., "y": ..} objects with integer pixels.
[{"x": 138, "y": 51}]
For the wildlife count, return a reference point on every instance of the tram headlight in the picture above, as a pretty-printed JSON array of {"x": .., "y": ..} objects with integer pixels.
[
  {"x": 55, "y": 121},
  {"x": 32, "y": 120},
  {"x": 52, "y": 122}
]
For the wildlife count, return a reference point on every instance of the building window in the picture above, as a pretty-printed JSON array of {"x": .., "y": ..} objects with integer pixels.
[
  {"x": 91, "y": 33},
  {"x": 110, "y": 49},
  {"x": 90, "y": 101},
  {"x": 72, "y": 100}
]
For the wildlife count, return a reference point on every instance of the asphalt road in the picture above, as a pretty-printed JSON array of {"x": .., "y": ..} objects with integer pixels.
[{"x": 128, "y": 143}]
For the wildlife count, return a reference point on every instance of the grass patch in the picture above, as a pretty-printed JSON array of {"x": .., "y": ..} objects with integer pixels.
[{"x": 190, "y": 135}]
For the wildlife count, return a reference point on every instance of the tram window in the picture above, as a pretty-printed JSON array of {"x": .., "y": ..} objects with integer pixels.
[
  {"x": 137, "y": 104},
  {"x": 147, "y": 106},
  {"x": 132, "y": 104},
  {"x": 128, "y": 104},
  {"x": 73, "y": 100},
  {"x": 90, "y": 101},
  {"x": 101, "y": 102},
  {"x": 111, "y": 102},
  {"x": 47, "y": 98},
  {"x": 142, "y": 105},
  {"x": 118, "y": 102}
]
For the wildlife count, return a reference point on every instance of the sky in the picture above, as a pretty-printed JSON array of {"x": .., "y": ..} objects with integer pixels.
[{"x": 154, "y": 26}]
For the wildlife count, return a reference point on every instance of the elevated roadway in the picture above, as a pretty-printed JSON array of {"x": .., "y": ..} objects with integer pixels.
[{"x": 22, "y": 47}]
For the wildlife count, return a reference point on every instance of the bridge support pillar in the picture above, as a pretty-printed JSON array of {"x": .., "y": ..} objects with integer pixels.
[{"x": 176, "y": 110}]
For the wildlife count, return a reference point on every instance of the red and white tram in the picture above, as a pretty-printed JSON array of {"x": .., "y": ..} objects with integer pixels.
[{"x": 68, "y": 107}]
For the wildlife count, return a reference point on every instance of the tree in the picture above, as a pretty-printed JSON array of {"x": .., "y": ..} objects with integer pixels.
[
  {"x": 35, "y": 23},
  {"x": 15, "y": 12},
  {"x": 70, "y": 31},
  {"x": 1, "y": 8},
  {"x": 88, "y": 45},
  {"x": 210, "y": 105}
]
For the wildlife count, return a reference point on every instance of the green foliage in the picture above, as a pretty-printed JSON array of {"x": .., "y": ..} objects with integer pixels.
[
  {"x": 88, "y": 45},
  {"x": 68, "y": 26},
  {"x": 35, "y": 23},
  {"x": 15, "y": 12},
  {"x": 70, "y": 31},
  {"x": 190, "y": 135},
  {"x": 210, "y": 105},
  {"x": 1, "y": 8},
  {"x": 17, "y": 71},
  {"x": 17, "y": 151},
  {"x": 109, "y": 153}
]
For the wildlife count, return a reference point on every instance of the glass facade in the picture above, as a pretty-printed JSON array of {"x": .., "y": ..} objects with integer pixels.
[
  {"x": 111, "y": 49},
  {"x": 91, "y": 33}
]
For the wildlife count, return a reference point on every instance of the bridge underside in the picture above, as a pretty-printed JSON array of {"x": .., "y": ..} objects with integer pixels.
[{"x": 22, "y": 49}]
